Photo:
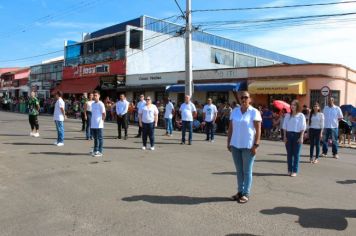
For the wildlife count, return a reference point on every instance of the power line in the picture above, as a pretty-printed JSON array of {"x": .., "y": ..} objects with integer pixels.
[
  {"x": 30, "y": 57},
  {"x": 274, "y": 7},
  {"x": 183, "y": 14}
]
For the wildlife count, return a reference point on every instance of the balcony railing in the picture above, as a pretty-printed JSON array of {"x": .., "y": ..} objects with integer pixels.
[{"x": 96, "y": 57}]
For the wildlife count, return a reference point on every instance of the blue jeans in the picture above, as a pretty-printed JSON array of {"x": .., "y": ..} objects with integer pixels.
[
  {"x": 169, "y": 125},
  {"x": 243, "y": 159},
  {"x": 185, "y": 125},
  {"x": 209, "y": 129},
  {"x": 293, "y": 151},
  {"x": 88, "y": 133},
  {"x": 98, "y": 140},
  {"x": 148, "y": 129},
  {"x": 314, "y": 137},
  {"x": 334, "y": 135},
  {"x": 60, "y": 131}
]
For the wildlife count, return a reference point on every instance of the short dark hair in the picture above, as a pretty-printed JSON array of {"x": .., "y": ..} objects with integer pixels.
[
  {"x": 96, "y": 91},
  {"x": 59, "y": 93}
]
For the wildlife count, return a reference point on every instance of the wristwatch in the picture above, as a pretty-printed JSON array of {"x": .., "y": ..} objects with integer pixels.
[{"x": 256, "y": 145}]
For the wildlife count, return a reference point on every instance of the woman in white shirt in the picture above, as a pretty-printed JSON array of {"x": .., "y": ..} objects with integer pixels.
[
  {"x": 316, "y": 126},
  {"x": 243, "y": 140},
  {"x": 148, "y": 118},
  {"x": 294, "y": 126}
]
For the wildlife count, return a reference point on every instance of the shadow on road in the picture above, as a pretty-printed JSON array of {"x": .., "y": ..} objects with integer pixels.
[
  {"x": 254, "y": 174},
  {"x": 241, "y": 235},
  {"x": 75, "y": 138},
  {"x": 173, "y": 143},
  {"x": 14, "y": 135},
  {"x": 321, "y": 218},
  {"x": 348, "y": 181},
  {"x": 283, "y": 155},
  {"x": 31, "y": 144},
  {"x": 176, "y": 200},
  {"x": 59, "y": 153},
  {"x": 277, "y": 161},
  {"x": 123, "y": 148}
]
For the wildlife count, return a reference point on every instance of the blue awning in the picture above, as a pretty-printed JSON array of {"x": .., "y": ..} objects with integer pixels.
[{"x": 218, "y": 87}]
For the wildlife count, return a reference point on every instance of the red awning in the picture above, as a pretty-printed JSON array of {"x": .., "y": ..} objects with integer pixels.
[{"x": 76, "y": 86}]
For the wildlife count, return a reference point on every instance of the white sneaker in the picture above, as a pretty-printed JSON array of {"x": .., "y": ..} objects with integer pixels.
[
  {"x": 60, "y": 144},
  {"x": 32, "y": 134},
  {"x": 212, "y": 141},
  {"x": 36, "y": 135},
  {"x": 98, "y": 154},
  {"x": 91, "y": 152},
  {"x": 152, "y": 148},
  {"x": 143, "y": 148}
]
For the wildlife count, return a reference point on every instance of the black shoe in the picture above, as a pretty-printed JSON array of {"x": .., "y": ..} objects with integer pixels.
[
  {"x": 206, "y": 139},
  {"x": 119, "y": 137},
  {"x": 182, "y": 143},
  {"x": 138, "y": 136},
  {"x": 189, "y": 143},
  {"x": 87, "y": 138}
]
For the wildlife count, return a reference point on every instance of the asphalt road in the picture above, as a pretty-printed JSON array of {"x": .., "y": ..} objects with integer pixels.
[{"x": 174, "y": 190}]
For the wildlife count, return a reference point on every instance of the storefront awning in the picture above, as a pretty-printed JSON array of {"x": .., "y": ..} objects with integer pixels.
[
  {"x": 77, "y": 86},
  {"x": 219, "y": 87},
  {"x": 278, "y": 87}
]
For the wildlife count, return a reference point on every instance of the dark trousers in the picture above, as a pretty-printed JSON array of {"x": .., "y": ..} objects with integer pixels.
[
  {"x": 187, "y": 125},
  {"x": 314, "y": 137},
  {"x": 98, "y": 140},
  {"x": 121, "y": 123},
  {"x": 209, "y": 129},
  {"x": 33, "y": 122},
  {"x": 139, "y": 131},
  {"x": 88, "y": 132},
  {"x": 148, "y": 129},
  {"x": 293, "y": 151},
  {"x": 83, "y": 120}
]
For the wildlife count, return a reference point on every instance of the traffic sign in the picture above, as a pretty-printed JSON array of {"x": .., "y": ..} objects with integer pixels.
[{"x": 325, "y": 91}]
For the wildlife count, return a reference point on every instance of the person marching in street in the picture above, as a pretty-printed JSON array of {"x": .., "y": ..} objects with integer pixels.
[
  {"x": 210, "y": 113},
  {"x": 148, "y": 120},
  {"x": 188, "y": 112},
  {"x": 87, "y": 113},
  {"x": 83, "y": 101},
  {"x": 332, "y": 115},
  {"x": 139, "y": 106},
  {"x": 294, "y": 126},
  {"x": 168, "y": 116},
  {"x": 97, "y": 124},
  {"x": 316, "y": 125},
  {"x": 122, "y": 107},
  {"x": 59, "y": 116},
  {"x": 33, "y": 106},
  {"x": 243, "y": 140}
]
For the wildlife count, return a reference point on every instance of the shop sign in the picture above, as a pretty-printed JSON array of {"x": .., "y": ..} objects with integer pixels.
[
  {"x": 46, "y": 85},
  {"x": 325, "y": 91}
]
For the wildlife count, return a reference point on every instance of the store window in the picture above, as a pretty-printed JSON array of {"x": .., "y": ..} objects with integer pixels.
[
  {"x": 222, "y": 57},
  {"x": 245, "y": 61},
  {"x": 136, "y": 39},
  {"x": 218, "y": 97},
  {"x": 315, "y": 96},
  {"x": 263, "y": 62}
]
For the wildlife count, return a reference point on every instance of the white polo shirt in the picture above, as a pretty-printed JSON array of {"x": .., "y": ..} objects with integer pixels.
[
  {"x": 122, "y": 107},
  {"x": 89, "y": 103},
  {"x": 332, "y": 116},
  {"x": 97, "y": 110},
  {"x": 295, "y": 123},
  {"x": 243, "y": 128},
  {"x": 169, "y": 109},
  {"x": 187, "y": 111},
  {"x": 210, "y": 111},
  {"x": 148, "y": 113},
  {"x": 58, "y": 115}
]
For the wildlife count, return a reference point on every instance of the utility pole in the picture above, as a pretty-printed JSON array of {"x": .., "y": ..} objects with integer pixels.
[{"x": 188, "y": 51}]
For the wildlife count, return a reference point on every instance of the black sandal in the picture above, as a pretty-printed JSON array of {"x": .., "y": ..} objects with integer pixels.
[{"x": 236, "y": 197}]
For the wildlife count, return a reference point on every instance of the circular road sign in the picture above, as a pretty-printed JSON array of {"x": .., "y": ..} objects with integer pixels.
[{"x": 325, "y": 91}]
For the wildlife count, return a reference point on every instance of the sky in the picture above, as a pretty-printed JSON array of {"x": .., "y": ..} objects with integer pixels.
[{"x": 34, "y": 27}]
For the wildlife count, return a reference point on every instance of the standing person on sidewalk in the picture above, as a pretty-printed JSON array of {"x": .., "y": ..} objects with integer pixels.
[
  {"x": 122, "y": 107},
  {"x": 139, "y": 106},
  {"x": 243, "y": 139},
  {"x": 87, "y": 113},
  {"x": 148, "y": 119},
  {"x": 316, "y": 125},
  {"x": 294, "y": 127},
  {"x": 332, "y": 115},
  {"x": 83, "y": 101},
  {"x": 188, "y": 112},
  {"x": 33, "y": 106},
  {"x": 97, "y": 124},
  {"x": 168, "y": 116},
  {"x": 210, "y": 113},
  {"x": 59, "y": 116}
]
